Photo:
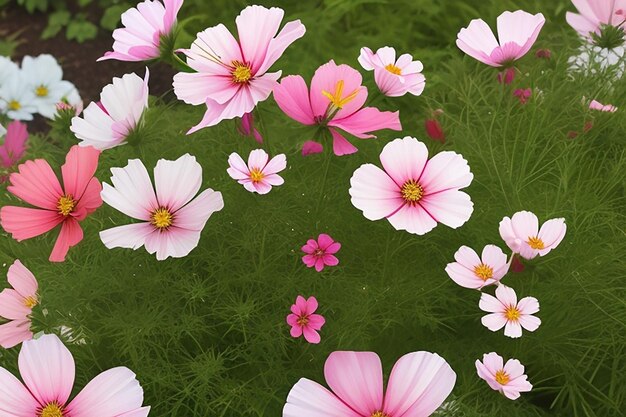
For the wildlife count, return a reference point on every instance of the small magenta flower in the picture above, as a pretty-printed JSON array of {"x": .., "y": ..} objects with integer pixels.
[
  {"x": 507, "y": 312},
  {"x": 523, "y": 94},
  {"x": 321, "y": 252},
  {"x": 507, "y": 378},
  {"x": 303, "y": 321}
]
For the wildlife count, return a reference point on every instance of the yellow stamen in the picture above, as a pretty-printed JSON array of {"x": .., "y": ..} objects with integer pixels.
[
  {"x": 256, "y": 175},
  {"x": 336, "y": 99},
  {"x": 303, "y": 320},
  {"x": 512, "y": 313},
  {"x": 536, "y": 243},
  {"x": 393, "y": 69},
  {"x": 66, "y": 204},
  {"x": 502, "y": 377},
  {"x": 41, "y": 91},
  {"x": 483, "y": 272},
  {"x": 30, "y": 301},
  {"x": 241, "y": 72},
  {"x": 14, "y": 105},
  {"x": 51, "y": 410},
  {"x": 161, "y": 218},
  {"x": 379, "y": 414},
  {"x": 412, "y": 192}
]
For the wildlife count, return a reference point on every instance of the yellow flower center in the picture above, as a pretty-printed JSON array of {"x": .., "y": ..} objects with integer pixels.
[
  {"x": 502, "y": 377},
  {"x": 66, "y": 204},
  {"x": 337, "y": 100},
  {"x": 393, "y": 69},
  {"x": 303, "y": 320},
  {"x": 536, "y": 243},
  {"x": 41, "y": 91},
  {"x": 30, "y": 301},
  {"x": 512, "y": 313},
  {"x": 483, "y": 272},
  {"x": 51, "y": 410},
  {"x": 161, "y": 218},
  {"x": 256, "y": 175},
  {"x": 379, "y": 414},
  {"x": 412, "y": 192},
  {"x": 241, "y": 72},
  {"x": 14, "y": 105}
]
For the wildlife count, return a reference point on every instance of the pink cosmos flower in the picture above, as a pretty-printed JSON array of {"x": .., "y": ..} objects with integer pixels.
[
  {"x": 596, "y": 105},
  {"x": 231, "y": 75},
  {"x": 303, "y": 321},
  {"x": 413, "y": 192},
  {"x": 16, "y": 304},
  {"x": 107, "y": 123},
  {"x": 593, "y": 14},
  {"x": 393, "y": 77},
  {"x": 418, "y": 384},
  {"x": 171, "y": 219},
  {"x": 522, "y": 235},
  {"x": 247, "y": 128},
  {"x": 335, "y": 101},
  {"x": 517, "y": 32},
  {"x": 14, "y": 146},
  {"x": 507, "y": 378},
  {"x": 36, "y": 184},
  {"x": 47, "y": 369},
  {"x": 260, "y": 174},
  {"x": 507, "y": 76},
  {"x": 471, "y": 271},
  {"x": 507, "y": 312},
  {"x": 321, "y": 252},
  {"x": 523, "y": 94},
  {"x": 146, "y": 26}
]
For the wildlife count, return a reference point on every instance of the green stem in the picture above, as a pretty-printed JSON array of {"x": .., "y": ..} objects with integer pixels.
[
  {"x": 258, "y": 120},
  {"x": 178, "y": 63}
]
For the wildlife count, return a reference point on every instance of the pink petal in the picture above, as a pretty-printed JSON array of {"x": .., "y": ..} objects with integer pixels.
[
  {"x": 581, "y": 24},
  {"x": 22, "y": 279},
  {"x": 326, "y": 78},
  {"x": 319, "y": 264},
  {"x": 467, "y": 257},
  {"x": 333, "y": 248},
  {"x": 528, "y": 305},
  {"x": 463, "y": 276},
  {"x": 222, "y": 45},
  {"x": 177, "y": 182},
  {"x": 292, "y": 319},
  {"x": 90, "y": 201},
  {"x": 14, "y": 142},
  {"x": 296, "y": 330},
  {"x": 493, "y": 362},
  {"x": 71, "y": 234},
  {"x": 291, "y": 32},
  {"x": 513, "y": 329},
  {"x": 275, "y": 165},
  {"x": 530, "y": 323},
  {"x": 324, "y": 241},
  {"x": 238, "y": 169},
  {"x": 367, "y": 120},
  {"x": 390, "y": 84},
  {"x": 195, "y": 214},
  {"x": 310, "y": 399},
  {"x": 521, "y": 28},
  {"x": 257, "y": 26},
  {"x": 552, "y": 233},
  {"x": 341, "y": 146},
  {"x": 477, "y": 41},
  {"x": 257, "y": 159},
  {"x": 25, "y": 223},
  {"x": 311, "y": 147},
  {"x": 404, "y": 159},
  {"x": 484, "y": 373},
  {"x": 195, "y": 88},
  {"x": 452, "y": 208},
  {"x": 494, "y": 321},
  {"x": 316, "y": 321},
  {"x": 171, "y": 11},
  {"x": 292, "y": 96},
  {"x": 496, "y": 259},
  {"x": 506, "y": 295},
  {"x": 311, "y": 335},
  {"x": 490, "y": 304},
  {"x": 374, "y": 192},
  {"x": 446, "y": 171},
  {"x": 309, "y": 260},
  {"x": 36, "y": 184},
  {"x": 274, "y": 180},
  {"x": 513, "y": 368},
  {"x": 79, "y": 169},
  {"x": 15, "y": 400},
  {"x": 140, "y": 412},
  {"x": 302, "y": 305},
  {"x": 12, "y": 305},
  {"x": 368, "y": 59},
  {"x": 132, "y": 192},
  {"x": 330, "y": 260},
  {"x": 14, "y": 332},
  {"x": 525, "y": 224},
  {"x": 413, "y": 219},
  {"x": 130, "y": 236},
  {"x": 311, "y": 305}
]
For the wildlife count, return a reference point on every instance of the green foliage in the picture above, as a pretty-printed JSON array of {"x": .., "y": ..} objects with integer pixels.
[{"x": 81, "y": 30}]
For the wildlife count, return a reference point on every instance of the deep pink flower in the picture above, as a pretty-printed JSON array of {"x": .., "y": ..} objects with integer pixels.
[
  {"x": 507, "y": 76},
  {"x": 522, "y": 235},
  {"x": 509, "y": 378},
  {"x": 246, "y": 128},
  {"x": 505, "y": 311},
  {"x": 231, "y": 75},
  {"x": 36, "y": 184},
  {"x": 434, "y": 130},
  {"x": 16, "y": 304},
  {"x": 393, "y": 77},
  {"x": 596, "y": 105},
  {"x": 593, "y": 14},
  {"x": 472, "y": 271},
  {"x": 260, "y": 174},
  {"x": 523, "y": 94},
  {"x": 517, "y": 32},
  {"x": 335, "y": 101},
  {"x": 47, "y": 369},
  {"x": 412, "y": 192},
  {"x": 418, "y": 384},
  {"x": 145, "y": 27},
  {"x": 303, "y": 321},
  {"x": 321, "y": 252},
  {"x": 310, "y": 147},
  {"x": 14, "y": 146}
]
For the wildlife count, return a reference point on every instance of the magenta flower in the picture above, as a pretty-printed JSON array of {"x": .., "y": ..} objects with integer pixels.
[
  {"x": 321, "y": 252},
  {"x": 14, "y": 146},
  {"x": 335, "y": 101},
  {"x": 231, "y": 75},
  {"x": 507, "y": 312},
  {"x": 507, "y": 76},
  {"x": 517, "y": 32},
  {"x": 16, "y": 305},
  {"x": 594, "y": 14},
  {"x": 418, "y": 384},
  {"x": 596, "y": 105},
  {"x": 523, "y": 94},
  {"x": 471, "y": 271},
  {"x": 260, "y": 174},
  {"x": 47, "y": 369},
  {"x": 522, "y": 235},
  {"x": 145, "y": 28},
  {"x": 509, "y": 378},
  {"x": 303, "y": 321},
  {"x": 393, "y": 77},
  {"x": 412, "y": 192}
]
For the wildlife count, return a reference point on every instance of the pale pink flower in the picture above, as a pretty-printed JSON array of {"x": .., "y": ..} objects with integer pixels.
[
  {"x": 246, "y": 128},
  {"x": 16, "y": 305},
  {"x": 146, "y": 27},
  {"x": 14, "y": 146},
  {"x": 231, "y": 75},
  {"x": 517, "y": 32},
  {"x": 171, "y": 219},
  {"x": 593, "y": 14},
  {"x": 107, "y": 123},
  {"x": 303, "y": 321},
  {"x": 36, "y": 184},
  {"x": 48, "y": 370},
  {"x": 596, "y": 105},
  {"x": 393, "y": 77},
  {"x": 335, "y": 101},
  {"x": 418, "y": 384},
  {"x": 260, "y": 174},
  {"x": 471, "y": 271},
  {"x": 509, "y": 378},
  {"x": 507, "y": 312},
  {"x": 413, "y": 192},
  {"x": 522, "y": 235},
  {"x": 321, "y": 252}
]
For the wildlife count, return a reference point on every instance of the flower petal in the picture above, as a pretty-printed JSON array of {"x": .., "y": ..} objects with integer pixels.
[
  {"x": 70, "y": 235},
  {"x": 177, "y": 182},
  {"x": 132, "y": 192},
  {"x": 22, "y": 279},
  {"x": 374, "y": 192},
  {"x": 309, "y": 399},
  {"x": 36, "y": 184},
  {"x": 79, "y": 169},
  {"x": 15, "y": 400}
]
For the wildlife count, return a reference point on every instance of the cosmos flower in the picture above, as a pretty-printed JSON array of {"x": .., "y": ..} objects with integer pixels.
[
  {"x": 412, "y": 192},
  {"x": 594, "y": 15},
  {"x": 418, "y": 384},
  {"x": 596, "y": 105},
  {"x": 260, "y": 174},
  {"x": 517, "y": 32},
  {"x": 522, "y": 235},
  {"x": 16, "y": 305},
  {"x": 107, "y": 123},
  {"x": 471, "y": 271},
  {"x": 14, "y": 146},
  {"x": 505, "y": 311},
  {"x": 47, "y": 369},
  {"x": 66, "y": 205},
  {"x": 335, "y": 101},
  {"x": 8, "y": 69},
  {"x": 303, "y": 321},
  {"x": 509, "y": 378},
  {"x": 146, "y": 27},
  {"x": 231, "y": 76},
  {"x": 17, "y": 101},
  {"x": 393, "y": 77},
  {"x": 523, "y": 94},
  {"x": 321, "y": 252},
  {"x": 171, "y": 218}
]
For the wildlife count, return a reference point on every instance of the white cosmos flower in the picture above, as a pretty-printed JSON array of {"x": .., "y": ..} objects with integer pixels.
[
  {"x": 16, "y": 99},
  {"x": 8, "y": 69}
]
